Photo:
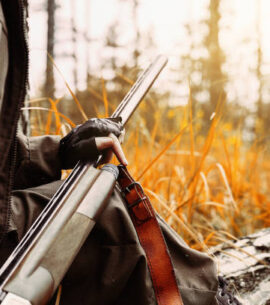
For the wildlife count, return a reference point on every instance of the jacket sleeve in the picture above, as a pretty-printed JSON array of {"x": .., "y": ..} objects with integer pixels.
[
  {"x": 37, "y": 177},
  {"x": 37, "y": 161}
]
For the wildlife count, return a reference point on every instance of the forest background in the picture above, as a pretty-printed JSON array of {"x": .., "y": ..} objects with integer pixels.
[{"x": 199, "y": 142}]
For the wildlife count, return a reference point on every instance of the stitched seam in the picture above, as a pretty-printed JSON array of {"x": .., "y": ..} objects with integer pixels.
[{"x": 170, "y": 262}]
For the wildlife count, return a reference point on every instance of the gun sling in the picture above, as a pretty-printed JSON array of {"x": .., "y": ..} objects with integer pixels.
[{"x": 151, "y": 239}]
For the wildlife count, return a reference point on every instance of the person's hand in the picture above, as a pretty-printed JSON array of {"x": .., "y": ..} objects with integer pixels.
[{"x": 87, "y": 141}]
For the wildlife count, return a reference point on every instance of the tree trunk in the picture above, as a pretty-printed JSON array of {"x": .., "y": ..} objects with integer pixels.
[{"x": 49, "y": 86}]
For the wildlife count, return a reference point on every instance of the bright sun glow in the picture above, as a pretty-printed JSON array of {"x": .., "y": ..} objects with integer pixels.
[{"x": 164, "y": 22}]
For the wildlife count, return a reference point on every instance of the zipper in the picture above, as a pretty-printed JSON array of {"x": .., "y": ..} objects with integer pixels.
[{"x": 23, "y": 32}]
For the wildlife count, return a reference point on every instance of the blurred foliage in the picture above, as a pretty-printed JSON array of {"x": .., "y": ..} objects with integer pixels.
[
  {"x": 204, "y": 165},
  {"x": 208, "y": 186}
]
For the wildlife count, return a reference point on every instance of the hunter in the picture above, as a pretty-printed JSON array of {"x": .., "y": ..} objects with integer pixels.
[{"x": 111, "y": 267}]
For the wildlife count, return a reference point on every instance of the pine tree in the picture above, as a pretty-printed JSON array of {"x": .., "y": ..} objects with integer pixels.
[
  {"x": 49, "y": 87},
  {"x": 74, "y": 44},
  {"x": 202, "y": 63},
  {"x": 259, "y": 65},
  {"x": 212, "y": 67}
]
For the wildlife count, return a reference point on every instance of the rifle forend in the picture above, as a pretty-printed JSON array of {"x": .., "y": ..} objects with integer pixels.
[{"x": 42, "y": 270}]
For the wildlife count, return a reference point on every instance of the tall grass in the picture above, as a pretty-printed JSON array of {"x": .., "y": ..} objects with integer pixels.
[{"x": 208, "y": 189}]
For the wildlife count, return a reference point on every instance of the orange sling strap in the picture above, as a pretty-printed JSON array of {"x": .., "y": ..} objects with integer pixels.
[{"x": 151, "y": 239}]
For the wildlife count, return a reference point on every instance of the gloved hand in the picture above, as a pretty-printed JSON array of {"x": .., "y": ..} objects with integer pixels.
[{"x": 86, "y": 142}]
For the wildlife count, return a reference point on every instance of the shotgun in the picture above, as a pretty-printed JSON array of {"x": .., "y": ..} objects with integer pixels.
[{"x": 36, "y": 267}]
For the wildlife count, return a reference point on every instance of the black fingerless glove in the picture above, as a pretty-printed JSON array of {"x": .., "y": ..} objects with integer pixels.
[{"x": 80, "y": 143}]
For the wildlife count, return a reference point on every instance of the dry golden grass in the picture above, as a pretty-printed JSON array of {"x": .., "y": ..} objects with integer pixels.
[{"x": 208, "y": 189}]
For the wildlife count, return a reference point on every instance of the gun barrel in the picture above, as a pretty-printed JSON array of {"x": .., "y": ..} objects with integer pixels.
[{"x": 139, "y": 89}]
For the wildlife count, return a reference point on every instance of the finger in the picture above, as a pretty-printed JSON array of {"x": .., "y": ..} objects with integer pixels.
[
  {"x": 103, "y": 143},
  {"x": 118, "y": 151},
  {"x": 111, "y": 142}
]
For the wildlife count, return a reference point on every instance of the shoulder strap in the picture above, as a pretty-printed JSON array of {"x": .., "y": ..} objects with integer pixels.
[{"x": 151, "y": 239}]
